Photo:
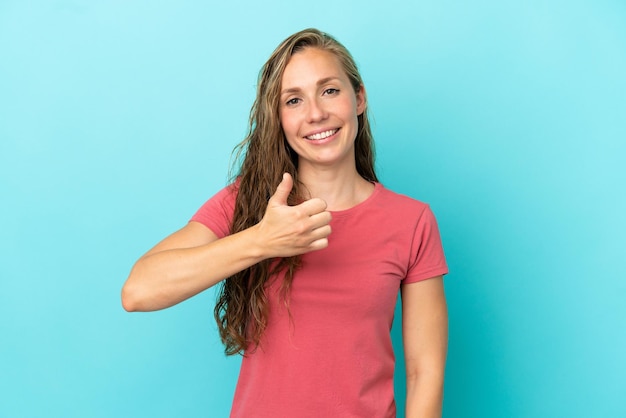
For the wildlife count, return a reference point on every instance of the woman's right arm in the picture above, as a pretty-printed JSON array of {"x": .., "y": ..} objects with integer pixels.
[
  {"x": 184, "y": 264},
  {"x": 193, "y": 259}
]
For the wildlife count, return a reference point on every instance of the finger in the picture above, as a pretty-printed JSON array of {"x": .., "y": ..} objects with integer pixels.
[
  {"x": 320, "y": 219},
  {"x": 321, "y": 232},
  {"x": 313, "y": 206},
  {"x": 318, "y": 244},
  {"x": 283, "y": 190}
]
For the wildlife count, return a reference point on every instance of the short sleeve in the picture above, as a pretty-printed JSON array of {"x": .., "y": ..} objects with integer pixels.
[
  {"x": 427, "y": 258},
  {"x": 217, "y": 212}
]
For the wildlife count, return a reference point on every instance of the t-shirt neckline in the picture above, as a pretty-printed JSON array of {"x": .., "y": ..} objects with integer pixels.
[{"x": 345, "y": 212}]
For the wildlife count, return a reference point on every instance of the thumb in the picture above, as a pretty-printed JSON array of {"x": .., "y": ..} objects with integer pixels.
[{"x": 283, "y": 190}]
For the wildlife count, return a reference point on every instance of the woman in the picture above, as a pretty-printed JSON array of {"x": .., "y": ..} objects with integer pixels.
[{"x": 311, "y": 251}]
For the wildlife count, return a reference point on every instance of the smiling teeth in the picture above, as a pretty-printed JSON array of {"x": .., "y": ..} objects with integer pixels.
[{"x": 322, "y": 135}]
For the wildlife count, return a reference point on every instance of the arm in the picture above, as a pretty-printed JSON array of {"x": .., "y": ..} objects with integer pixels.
[
  {"x": 184, "y": 264},
  {"x": 193, "y": 259},
  {"x": 425, "y": 338}
]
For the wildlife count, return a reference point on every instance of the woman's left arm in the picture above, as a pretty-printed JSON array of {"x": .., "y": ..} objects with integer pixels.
[{"x": 425, "y": 338}]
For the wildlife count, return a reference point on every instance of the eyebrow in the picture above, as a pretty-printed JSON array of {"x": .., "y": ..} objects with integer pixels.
[{"x": 319, "y": 83}]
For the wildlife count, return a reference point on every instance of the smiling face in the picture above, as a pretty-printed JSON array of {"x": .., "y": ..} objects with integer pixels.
[{"x": 319, "y": 108}]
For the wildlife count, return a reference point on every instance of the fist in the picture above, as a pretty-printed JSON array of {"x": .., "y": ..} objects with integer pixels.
[{"x": 292, "y": 230}]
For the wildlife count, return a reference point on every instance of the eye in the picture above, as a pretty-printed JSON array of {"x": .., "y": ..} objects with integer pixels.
[
  {"x": 292, "y": 102},
  {"x": 331, "y": 91}
]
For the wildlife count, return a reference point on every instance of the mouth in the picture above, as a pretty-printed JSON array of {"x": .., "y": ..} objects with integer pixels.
[{"x": 322, "y": 135}]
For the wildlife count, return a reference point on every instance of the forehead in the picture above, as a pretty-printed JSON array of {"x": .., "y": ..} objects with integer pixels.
[{"x": 311, "y": 65}]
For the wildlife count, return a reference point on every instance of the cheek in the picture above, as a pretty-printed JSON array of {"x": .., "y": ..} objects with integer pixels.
[
  {"x": 288, "y": 124},
  {"x": 348, "y": 108}
]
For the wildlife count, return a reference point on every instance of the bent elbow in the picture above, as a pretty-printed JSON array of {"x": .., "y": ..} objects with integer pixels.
[
  {"x": 131, "y": 295},
  {"x": 129, "y": 302}
]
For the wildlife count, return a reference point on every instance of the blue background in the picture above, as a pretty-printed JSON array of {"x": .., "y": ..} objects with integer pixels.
[{"x": 117, "y": 120}]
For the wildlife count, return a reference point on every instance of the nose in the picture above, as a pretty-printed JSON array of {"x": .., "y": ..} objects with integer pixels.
[{"x": 316, "y": 111}]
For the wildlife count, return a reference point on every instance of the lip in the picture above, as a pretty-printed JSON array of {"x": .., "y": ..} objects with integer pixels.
[{"x": 324, "y": 140}]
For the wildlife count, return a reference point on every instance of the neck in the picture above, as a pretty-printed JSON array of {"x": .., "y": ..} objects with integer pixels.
[{"x": 341, "y": 189}]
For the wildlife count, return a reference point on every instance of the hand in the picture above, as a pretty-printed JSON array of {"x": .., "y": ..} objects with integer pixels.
[{"x": 287, "y": 230}]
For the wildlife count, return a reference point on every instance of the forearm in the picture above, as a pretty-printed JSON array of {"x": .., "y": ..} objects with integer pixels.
[
  {"x": 165, "y": 278},
  {"x": 193, "y": 259},
  {"x": 424, "y": 395}
]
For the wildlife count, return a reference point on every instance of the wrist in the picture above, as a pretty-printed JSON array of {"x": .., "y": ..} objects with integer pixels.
[{"x": 256, "y": 244}]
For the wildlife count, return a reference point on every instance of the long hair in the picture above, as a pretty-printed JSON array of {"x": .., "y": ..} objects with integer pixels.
[{"x": 242, "y": 307}]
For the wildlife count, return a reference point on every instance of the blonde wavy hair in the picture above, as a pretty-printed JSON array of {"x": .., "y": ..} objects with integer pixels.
[{"x": 263, "y": 156}]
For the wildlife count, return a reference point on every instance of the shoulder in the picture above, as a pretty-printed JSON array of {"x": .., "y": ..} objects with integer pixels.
[
  {"x": 228, "y": 193},
  {"x": 224, "y": 198},
  {"x": 397, "y": 202},
  {"x": 217, "y": 212}
]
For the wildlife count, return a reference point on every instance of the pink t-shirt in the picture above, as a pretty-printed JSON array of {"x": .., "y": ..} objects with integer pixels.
[{"x": 333, "y": 357}]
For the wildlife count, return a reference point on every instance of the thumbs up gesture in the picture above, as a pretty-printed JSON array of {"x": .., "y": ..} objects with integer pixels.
[{"x": 292, "y": 230}]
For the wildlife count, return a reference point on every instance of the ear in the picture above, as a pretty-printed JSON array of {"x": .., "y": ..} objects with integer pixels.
[{"x": 361, "y": 100}]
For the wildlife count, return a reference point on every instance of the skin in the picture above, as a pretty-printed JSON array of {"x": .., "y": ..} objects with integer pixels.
[
  {"x": 425, "y": 340},
  {"x": 316, "y": 97},
  {"x": 193, "y": 259}
]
